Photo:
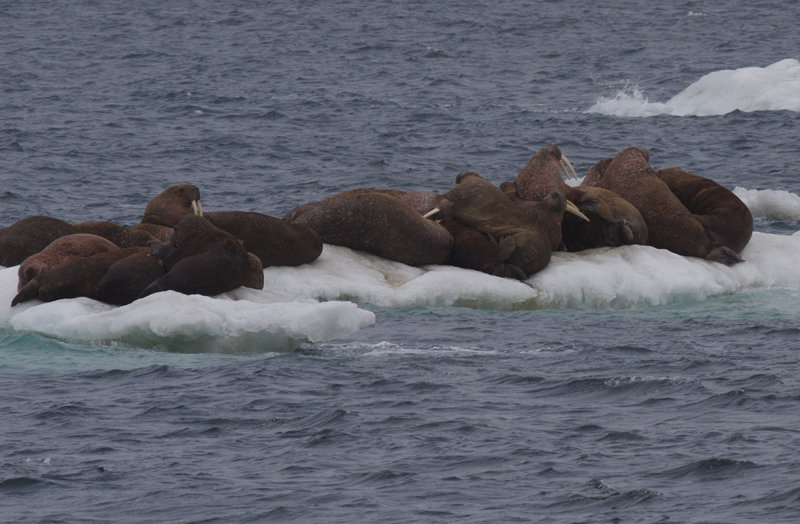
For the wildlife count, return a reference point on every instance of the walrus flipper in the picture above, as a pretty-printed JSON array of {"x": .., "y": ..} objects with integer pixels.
[
  {"x": 28, "y": 292},
  {"x": 724, "y": 255}
]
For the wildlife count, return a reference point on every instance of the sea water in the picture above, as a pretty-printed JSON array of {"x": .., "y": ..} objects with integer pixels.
[{"x": 626, "y": 384}]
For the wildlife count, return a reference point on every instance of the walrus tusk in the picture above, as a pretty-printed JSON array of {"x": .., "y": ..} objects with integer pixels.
[
  {"x": 572, "y": 208},
  {"x": 431, "y": 212},
  {"x": 197, "y": 208},
  {"x": 566, "y": 165}
]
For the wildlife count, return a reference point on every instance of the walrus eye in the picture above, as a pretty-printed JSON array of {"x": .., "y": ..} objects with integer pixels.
[
  {"x": 566, "y": 166},
  {"x": 590, "y": 204}
]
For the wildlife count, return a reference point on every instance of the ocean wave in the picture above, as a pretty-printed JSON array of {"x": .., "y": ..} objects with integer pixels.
[
  {"x": 772, "y": 88},
  {"x": 712, "y": 468},
  {"x": 19, "y": 485}
]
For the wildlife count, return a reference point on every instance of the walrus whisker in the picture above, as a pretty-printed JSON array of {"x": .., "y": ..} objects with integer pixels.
[
  {"x": 431, "y": 212},
  {"x": 572, "y": 208}
]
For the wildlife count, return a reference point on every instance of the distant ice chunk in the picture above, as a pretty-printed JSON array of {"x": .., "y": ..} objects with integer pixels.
[{"x": 772, "y": 88}]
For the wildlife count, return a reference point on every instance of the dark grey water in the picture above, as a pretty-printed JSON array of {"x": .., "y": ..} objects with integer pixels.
[{"x": 682, "y": 409}]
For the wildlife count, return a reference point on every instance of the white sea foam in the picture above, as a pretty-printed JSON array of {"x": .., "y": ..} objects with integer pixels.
[
  {"x": 769, "y": 203},
  {"x": 317, "y": 302},
  {"x": 772, "y": 88}
]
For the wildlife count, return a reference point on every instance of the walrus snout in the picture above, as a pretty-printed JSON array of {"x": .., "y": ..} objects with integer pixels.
[{"x": 624, "y": 235}]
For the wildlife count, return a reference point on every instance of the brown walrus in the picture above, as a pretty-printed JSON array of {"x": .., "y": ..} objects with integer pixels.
[
  {"x": 203, "y": 259},
  {"x": 274, "y": 241},
  {"x": 377, "y": 223},
  {"x": 127, "y": 278},
  {"x": 474, "y": 249},
  {"x": 613, "y": 221},
  {"x": 670, "y": 225},
  {"x": 423, "y": 202},
  {"x": 59, "y": 251},
  {"x": 542, "y": 174},
  {"x": 122, "y": 236},
  {"x": 726, "y": 218},
  {"x": 168, "y": 207},
  {"x": 29, "y": 236},
  {"x": 75, "y": 277},
  {"x": 478, "y": 204},
  {"x": 540, "y": 191}
]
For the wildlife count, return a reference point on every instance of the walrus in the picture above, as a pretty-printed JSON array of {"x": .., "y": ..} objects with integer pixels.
[
  {"x": 613, "y": 221},
  {"x": 126, "y": 278},
  {"x": 29, "y": 236},
  {"x": 377, "y": 223},
  {"x": 168, "y": 207},
  {"x": 274, "y": 241},
  {"x": 423, "y": 202},
  {"x": 75, "y": 277},
  {"x": 60, "y": 250},
  {"x": 670, "y": 225},
  {"x": 540, "y": 191},
  {"x": 474, "y": 249},
  {"x": 471, "y": 249},
  {"x": 726, "y": 218},
  {"x": 542, "y": 174},
  {"x": 122, "y": 236},
  {"x": 477, "y": 203},
  {"x": 595, "y": 173},
  {"x": 203, "y": 259}
]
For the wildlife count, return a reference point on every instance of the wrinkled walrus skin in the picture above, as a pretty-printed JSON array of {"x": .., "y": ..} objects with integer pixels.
[
  {"x": 613, "y": 221},
  {"x": 30, "y": 235},
  {"x": 478, "y": 204},
  {"x": 166, "y": 208},
  {"x": 59, "y": 251},
  {"x": 274, "y": 241},
  {"x": 377, "y": 223},
  {"x": 75, "y": 277},
  {"x": 724, "y": 215},
  {"x": 670, "y": 225},
  {"x": 205, "y": 260}
]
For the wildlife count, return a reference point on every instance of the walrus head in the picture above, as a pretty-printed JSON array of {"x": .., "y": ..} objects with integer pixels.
[
  {"x": 176, "y": 201},
  {"x": 543, "y": 174}
]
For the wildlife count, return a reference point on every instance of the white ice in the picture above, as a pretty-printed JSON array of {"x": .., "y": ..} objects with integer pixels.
[{"x": 772, "y": 88}]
